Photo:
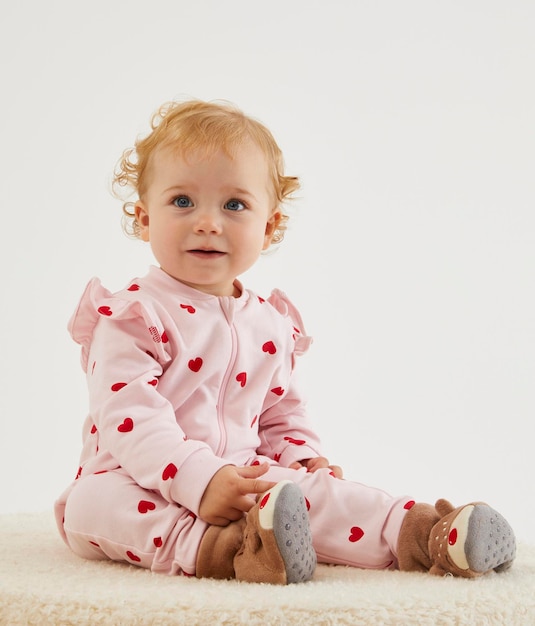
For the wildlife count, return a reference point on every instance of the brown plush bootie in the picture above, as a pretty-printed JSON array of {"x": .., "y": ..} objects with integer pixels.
[
  {"x": 467, "y": 541},
  {"x": 272, "y": 544},
  {"x": 218, "y": 548}
]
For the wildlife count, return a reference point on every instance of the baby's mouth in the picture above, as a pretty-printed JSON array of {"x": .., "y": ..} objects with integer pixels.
[{"x": 203, "y": 253}]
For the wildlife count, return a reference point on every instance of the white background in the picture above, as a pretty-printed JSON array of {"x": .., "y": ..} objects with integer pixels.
[{"x": 410, "y": 251}]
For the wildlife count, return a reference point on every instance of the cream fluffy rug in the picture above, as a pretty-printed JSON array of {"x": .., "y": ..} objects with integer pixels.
[{"x": 41, "y": 582}]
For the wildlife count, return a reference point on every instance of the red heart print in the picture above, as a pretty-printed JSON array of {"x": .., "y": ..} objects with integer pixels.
[
  {"x": 269, "y": 347},
  {"x": 133, "y": 287},
  {"x": 409, "y": 505},
  {"x": 260, "y": 299},
  {"x": 169, "y": 472},
  {"x": 242, "y": 378},
  {"x": 165, "y": 338},
  {"x": 105, "y": 310},
  {"x": 307, "y": 502},
  {"x": 117, "y": 386},
  {"x": 278, "y": 391},
  {"x": 133, "y": 557},
  {"x": 356, "y": 534},
  {"x": 188, "y": 308},
  {"x": 153, "y": 382},
  {"x": 93, "y": 429},
  {"x": 195, "y": 364},
  {"x": 127, "y": 425},
  {"x": 158, "y": 542},
  {"x": 277, "y": 457},
  {"x": 296, "y": 442},
  {"x": 144, "y": 506}
]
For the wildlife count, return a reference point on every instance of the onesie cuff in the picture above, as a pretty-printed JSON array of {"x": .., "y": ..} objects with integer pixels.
[{"x": 193, "y": 477}]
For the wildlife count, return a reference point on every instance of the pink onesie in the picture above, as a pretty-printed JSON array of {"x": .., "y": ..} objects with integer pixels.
[{"x": 182, "y": 383}]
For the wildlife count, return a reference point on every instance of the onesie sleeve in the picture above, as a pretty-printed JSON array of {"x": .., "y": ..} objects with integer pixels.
[
  {"x": 285, "y": 428},
  {"x": 125, "y": 351},
  {"x": 280, "y": 301}
]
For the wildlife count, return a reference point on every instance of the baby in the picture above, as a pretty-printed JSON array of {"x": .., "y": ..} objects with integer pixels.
[{"x": 198, "y": 456}]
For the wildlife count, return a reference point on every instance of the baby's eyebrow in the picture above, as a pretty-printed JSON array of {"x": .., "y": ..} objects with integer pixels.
[
  {"x": 178, "y": 189},
  {"x": 239, "y": 191}
]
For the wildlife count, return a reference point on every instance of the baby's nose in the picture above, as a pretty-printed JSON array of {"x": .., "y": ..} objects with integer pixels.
[{"x": 208, "y": 220}]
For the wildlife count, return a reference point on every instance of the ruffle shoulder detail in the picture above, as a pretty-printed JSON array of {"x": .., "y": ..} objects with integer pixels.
[
  {"x": 281, "y": 303},
  {"x": 97, "y": 302}
]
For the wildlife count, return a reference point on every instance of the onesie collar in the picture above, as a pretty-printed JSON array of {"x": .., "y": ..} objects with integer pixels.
[{"x": 172, "y": 286}]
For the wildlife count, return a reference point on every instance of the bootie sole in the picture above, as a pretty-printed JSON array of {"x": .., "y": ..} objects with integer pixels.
[
  {"x": 283, "y": 510},
  {"x": 479, "y": 540}
]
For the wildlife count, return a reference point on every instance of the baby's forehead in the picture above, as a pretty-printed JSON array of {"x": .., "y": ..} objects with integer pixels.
[
  {"x": 247, "y": 164},
  {"x": 208, "y": 150}
]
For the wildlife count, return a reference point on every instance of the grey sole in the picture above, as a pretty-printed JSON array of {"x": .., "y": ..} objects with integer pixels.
[
  {"x": 491, "y": 541},
  {"x": 291, "y": 528}
]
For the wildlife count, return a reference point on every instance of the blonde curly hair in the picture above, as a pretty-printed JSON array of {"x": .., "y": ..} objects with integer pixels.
[{"x": 192, "y": 126}]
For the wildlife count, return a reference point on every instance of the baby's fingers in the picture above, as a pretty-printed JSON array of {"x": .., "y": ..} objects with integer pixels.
[
  {"x": 252, "y": 471},
  {"x": 250, "y": 483},
  {"x": 317, "y": 463},
  {"x": 337, "y": 471},
  {"x": 254, "y": 485}
]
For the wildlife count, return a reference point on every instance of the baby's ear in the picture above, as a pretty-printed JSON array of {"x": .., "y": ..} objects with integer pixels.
[
  {"x": 142, "y": 220},
  {"x": 271, "y": 227}
]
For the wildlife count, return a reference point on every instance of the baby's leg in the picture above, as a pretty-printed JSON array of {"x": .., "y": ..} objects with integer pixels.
[
  {"x": 357, "y": 525},
  {"x": 351, "y": 523},
  {"x": 109, "y": 516}
]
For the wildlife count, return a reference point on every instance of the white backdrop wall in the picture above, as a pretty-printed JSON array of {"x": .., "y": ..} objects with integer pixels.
[{"x": 410, "y": 251}]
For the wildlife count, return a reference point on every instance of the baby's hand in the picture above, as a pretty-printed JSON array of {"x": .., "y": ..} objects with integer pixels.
[
  {"x": 318, "y": 462},
  {"x": 228, "y": 495}
]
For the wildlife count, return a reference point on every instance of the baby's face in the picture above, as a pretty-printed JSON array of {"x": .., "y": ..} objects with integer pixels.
[{"x": 208, "y": 219}]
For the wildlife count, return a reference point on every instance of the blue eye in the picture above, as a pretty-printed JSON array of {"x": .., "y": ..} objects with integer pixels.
[
  {"x": 182, "y": 202},
  {"x": 235, "y": 205}
]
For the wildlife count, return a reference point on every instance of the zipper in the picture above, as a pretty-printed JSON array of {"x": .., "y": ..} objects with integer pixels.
[{"x": 227, "y": 306}]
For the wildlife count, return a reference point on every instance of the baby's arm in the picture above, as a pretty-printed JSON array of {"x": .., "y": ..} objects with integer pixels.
[
  {"x": 135, "y": 423},
  {"x": 285, "y": 430},
  {"x": 287, "y": 435}
]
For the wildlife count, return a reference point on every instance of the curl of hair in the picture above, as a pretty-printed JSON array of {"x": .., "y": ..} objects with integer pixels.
[{"x": 207, "y": 127}]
